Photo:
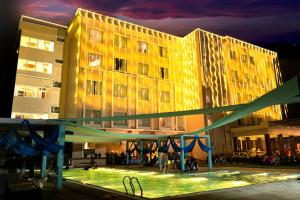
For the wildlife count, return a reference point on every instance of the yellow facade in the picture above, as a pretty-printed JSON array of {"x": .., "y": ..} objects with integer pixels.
[{"x": 113, "y": 67}]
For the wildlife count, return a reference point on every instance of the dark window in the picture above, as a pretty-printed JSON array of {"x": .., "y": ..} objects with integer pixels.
[
  {"x": 144, "y": 122},
  {"x": 93, "y": 87},
  {"x": 61, "y": 39},
  {"x": 55, "y": 109},
  {"x": 232, "y": 55},
  {"x": 120, "y": 64},
  {"x": 59, "y": 61},
  {"x": 164, "y": 73},
  {"x": 120, "y": 122},
  {"x": 56, "y": 84},
  {"x": 163, "y": 52},
  {"x": 252, "y": 60}
]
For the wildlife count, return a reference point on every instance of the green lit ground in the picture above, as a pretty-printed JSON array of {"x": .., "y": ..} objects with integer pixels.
[{"x": 161, "y": 185}]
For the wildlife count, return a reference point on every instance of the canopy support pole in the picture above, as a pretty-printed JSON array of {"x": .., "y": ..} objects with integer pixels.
[
  {"x": 182, "y": 153},
  {"x": 127, "y": 154},
  {"x": 60, "y": 157},
  {"x": 142, "y": 149},
  {"x": 44, "y": 163},
  {"x": 209, "y": 153},
  {"x": 159, "y": 155}
]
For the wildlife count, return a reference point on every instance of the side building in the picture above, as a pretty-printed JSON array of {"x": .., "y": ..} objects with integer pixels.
[{"x": 38, "y": 77}]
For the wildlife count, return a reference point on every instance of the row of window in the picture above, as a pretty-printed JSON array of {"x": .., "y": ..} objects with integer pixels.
[
  {"x": 30, "y": 65},
  {"x": 20, "y": 115},
  {"x": 95, "y": 60},
  {"x": 29, "y": 91},
  {"x": 97, "y": 114},
  {"x": 95, "y": 88},
  {"x": 247, "y": 78},
  {"x": 244, "y": 57},
  {"x": 37, "y": 43},
  {"x": 120, "y": 41}
]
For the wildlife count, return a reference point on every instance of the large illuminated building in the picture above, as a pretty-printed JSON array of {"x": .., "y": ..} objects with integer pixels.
[
  {"x": 114, "y": 68},
  {"x": 38, "y": 77}
]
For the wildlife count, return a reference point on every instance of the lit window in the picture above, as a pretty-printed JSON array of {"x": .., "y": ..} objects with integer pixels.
[
  {"x": 33, "y": 43},
  {"x": 120, "y": 64},
  {"x": 163, "y": 52},
  {"x": 22, "y": 64},
  {"x": 143, "y": 47},
  {"x": 164, "y": 73},
  {"x": 96, "y": 35},
  {"x": 29, "y": 115},
  {"x": 120, "y": 90},
  {"x": 120, "y": 41},
  {"x": 30, "y": 65},
  {"x": 46, "y": 45},
  {"x": 232, "y": 54},
  {"x": 165, "y": 96},
  {"x": 143, "y": 69},
  {"x": 252, "y": 60},
  {"x": 120, "y": 122},
  {"x": 24, "y": 41},
  {"x": 144, "y": 94},
  {"x": 244, "y": 58},
  {"x": 44, "y": 67},
  {"x": 93, "y": 87},
  {"x": 95, "y": 60},
  {"x": 29, "y": 91},
  {"x": 37, "y": 43}
]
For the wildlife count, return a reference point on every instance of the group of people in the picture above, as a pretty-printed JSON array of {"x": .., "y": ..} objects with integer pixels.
[{"x": 191, "y": 164}]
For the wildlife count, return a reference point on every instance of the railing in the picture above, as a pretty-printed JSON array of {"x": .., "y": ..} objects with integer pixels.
[{"x": 132, "y": 185}]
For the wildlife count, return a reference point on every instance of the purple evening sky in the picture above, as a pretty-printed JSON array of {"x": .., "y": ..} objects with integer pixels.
[{"x": 252, "y": 20}]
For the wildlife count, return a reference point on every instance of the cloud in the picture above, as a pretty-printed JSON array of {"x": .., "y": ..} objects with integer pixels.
[
  {"x": 159, "y": 9},
  {"x": 252, "y": 20}
]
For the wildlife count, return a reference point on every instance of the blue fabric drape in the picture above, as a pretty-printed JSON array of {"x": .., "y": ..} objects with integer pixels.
[
  {"x": 188, "y": 148},
  {"x": 47, "y": 144},
  {"x": 14, "y": 142},
  {"x": 130, "y": 149},
  {"x": 146, "y": 151},
  {"x": 19, "y": 146},
  {"x": 202, "y": 146},
  {"x": 3, "y": 139},
  {"x": 191, "y": 146},
  {"x": 165, "y": 148},
  {"x": 175, "y": 147}
]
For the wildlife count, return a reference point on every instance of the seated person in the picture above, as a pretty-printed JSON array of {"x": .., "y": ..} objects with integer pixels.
[{"x": 194, "y": 164}]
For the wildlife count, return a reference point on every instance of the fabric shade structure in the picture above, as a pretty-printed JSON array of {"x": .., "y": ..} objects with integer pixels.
[
  {"x": 88, "y": 134},
  {"x": 286, "y": 93}
]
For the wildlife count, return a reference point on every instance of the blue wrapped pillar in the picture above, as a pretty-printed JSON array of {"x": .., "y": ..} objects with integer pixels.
[
  {"x": 182, "y": 153},
  {"x": 44, "y": 166},
  {"x": 44, "y": 162},
  {"x": 142, "y": 149},
  {"x": 159, "y": 155},
  {"x": 209, "y": 153},
  {"x": 127, "y": 154},
  {"x": 60, "y": 157}
]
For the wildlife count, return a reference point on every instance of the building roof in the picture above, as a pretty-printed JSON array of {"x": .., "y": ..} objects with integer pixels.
[{"x": 42, "y": 22}]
